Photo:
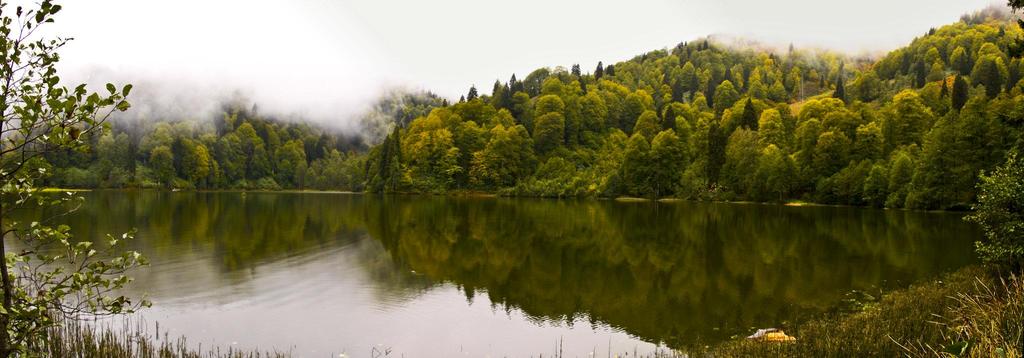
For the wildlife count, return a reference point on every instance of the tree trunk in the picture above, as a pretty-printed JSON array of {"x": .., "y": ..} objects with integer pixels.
[{"x": 5, "y": 339}]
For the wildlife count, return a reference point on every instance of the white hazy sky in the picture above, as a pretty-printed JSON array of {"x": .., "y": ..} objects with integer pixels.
[{"x": 327, "y": 56}]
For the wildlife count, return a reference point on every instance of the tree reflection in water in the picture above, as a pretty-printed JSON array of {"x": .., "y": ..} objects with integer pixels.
[{"x": 665, "y": 272}]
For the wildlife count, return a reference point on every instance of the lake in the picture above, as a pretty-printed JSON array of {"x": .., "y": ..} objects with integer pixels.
[{"x": 320, "y": 274}]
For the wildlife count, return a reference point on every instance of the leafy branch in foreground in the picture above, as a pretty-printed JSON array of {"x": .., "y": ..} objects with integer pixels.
[
  {"x": 52, "y": 276},
  {"x": 1000, "y": 212}
]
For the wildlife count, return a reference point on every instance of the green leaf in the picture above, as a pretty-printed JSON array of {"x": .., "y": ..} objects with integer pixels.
[
  {"x": 123, "y": 106},
  {"x": 127, "y": 89},
  {"x": 957, "y": 348},
  {"x": 111, "y": 88}
]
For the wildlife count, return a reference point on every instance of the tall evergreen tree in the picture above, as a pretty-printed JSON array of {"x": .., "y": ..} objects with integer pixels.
[
  {"x": 960, "y": 92},
  {"x": 394, "y": 170},
  {"x": 610, "y": 70},
  {"x": 715, "y": 152},
  {"x": 388, "y": 172},
  {"x": 472, "y": 93},
  {"x": 499, "y": 95},
  {"x": 840, "y": 91},
  {"x": 1014, "y": 72},
  {"x": 710, "y": 93},
  {"x": 599, "y": 71},
  {"x": 920, "y": 74},
  {"x": 690, "y": 81},
  {"x": 749, "y": 118},
  {"x": 576, "y": 70},
  {"x": 514, "y": 86}
]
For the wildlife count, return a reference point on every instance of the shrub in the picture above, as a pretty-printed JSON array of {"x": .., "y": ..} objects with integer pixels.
[{"x": 1000, "y": 212}]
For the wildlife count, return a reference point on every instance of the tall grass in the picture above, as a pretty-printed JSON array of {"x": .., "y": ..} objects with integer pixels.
[
  {"x": 971, "y": 312},
  {"x": 990, "y": 322},
  {"x": 74, "y": 339}
]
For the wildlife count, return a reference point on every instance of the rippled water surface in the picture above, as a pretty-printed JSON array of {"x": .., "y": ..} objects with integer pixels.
[{"x": 319, "y": 274}]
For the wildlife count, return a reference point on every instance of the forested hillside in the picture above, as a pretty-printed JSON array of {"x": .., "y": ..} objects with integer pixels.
[
  {"x": 702, "y": 120},
  {"x": 239, "y": 150}
]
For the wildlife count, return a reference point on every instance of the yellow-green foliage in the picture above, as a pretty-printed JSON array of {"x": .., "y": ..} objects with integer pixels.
[{"x": 828, "y": 139}]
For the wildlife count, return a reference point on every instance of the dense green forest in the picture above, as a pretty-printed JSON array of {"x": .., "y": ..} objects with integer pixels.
[
  {"x": 241, "y": 149},
  {"x": 238, "y": 151},
  {"x": 703, "y": 120}
]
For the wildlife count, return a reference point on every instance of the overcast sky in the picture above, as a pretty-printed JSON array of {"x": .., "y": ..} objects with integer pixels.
[{"x": 334, "y": 55}]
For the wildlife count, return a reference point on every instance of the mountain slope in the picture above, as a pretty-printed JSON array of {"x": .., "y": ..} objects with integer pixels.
[{"x": 703, "y": 120}]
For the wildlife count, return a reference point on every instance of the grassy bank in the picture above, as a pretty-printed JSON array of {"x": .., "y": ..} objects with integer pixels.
[
  {"x": 79, "y": 340},
  {"x": 970, "y": 313}
]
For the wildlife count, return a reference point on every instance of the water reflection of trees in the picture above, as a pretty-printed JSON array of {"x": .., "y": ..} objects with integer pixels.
[
  {"x": 663, "y": 272},
  {"x": 238, "y": 232},
  {"x": 243, "y": 230}
]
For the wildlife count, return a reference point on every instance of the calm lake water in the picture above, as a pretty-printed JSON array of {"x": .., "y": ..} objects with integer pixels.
[{"x": 321, "y": 274}]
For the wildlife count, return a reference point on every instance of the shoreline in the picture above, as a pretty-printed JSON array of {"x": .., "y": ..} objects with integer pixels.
[
  {"x": 495, "y": 195},
  {"x": 962, "y": 308}
]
